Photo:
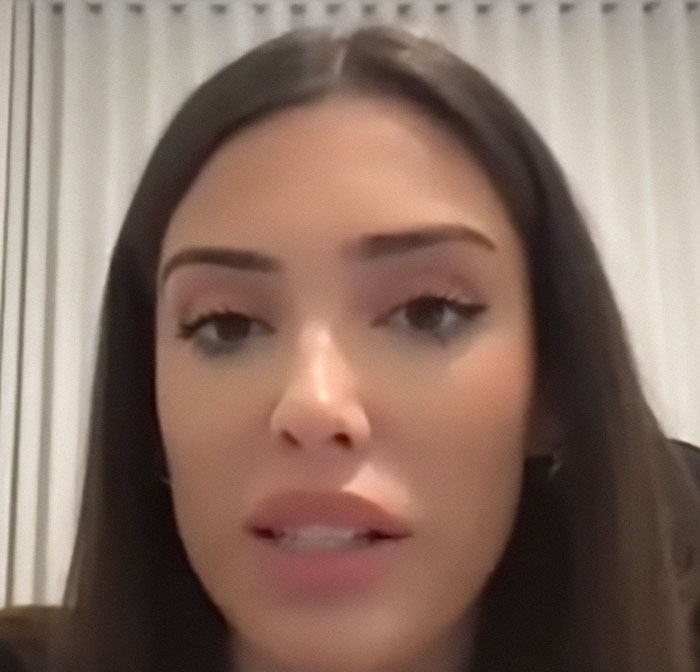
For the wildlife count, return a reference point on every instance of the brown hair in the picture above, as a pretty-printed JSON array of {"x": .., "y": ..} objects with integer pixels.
[{"x": 601, "y": 572}]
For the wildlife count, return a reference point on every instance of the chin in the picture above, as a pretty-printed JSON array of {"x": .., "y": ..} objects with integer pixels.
[{"x": 346, "y": 651}]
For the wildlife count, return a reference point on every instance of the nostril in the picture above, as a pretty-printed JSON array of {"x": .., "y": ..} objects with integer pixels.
[
  {"x": 289, "y": 437},
  {"x": 342, "y": 438}
]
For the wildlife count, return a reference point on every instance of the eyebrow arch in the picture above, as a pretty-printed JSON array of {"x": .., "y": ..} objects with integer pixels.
[{"x": 367, "y": 248}]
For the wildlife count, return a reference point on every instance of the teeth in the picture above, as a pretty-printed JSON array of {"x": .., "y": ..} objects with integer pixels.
[
  {"x": 317, "y": 531},
  {"x": 321, "y": 542},
  {"x": 321, "y": 536}
]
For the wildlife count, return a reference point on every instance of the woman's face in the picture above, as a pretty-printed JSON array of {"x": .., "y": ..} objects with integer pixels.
[{"x": 316, "y": 367}]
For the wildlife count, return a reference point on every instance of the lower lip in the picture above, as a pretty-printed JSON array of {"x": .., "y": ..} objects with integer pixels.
[{"x": 326, "y": 571}]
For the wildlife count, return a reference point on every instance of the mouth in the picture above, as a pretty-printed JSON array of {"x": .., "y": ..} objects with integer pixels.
[
  {"x": 307, "y": 561},
  {"x": 322, "y": 537},
  {"x": 306, "y": 520}
]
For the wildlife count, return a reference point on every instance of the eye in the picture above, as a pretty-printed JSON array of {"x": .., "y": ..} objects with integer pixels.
[
  {"x": 439, "y": 317},
  {"x": 221, "y": 331}
]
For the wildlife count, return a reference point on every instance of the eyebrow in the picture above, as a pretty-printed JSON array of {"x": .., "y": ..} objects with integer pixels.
[{"x": 367, "y": 248}]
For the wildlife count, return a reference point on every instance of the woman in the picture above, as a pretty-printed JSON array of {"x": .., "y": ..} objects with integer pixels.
[{"x": 363, "y": 398}]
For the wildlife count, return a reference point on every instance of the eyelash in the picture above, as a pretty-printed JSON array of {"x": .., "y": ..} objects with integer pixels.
[{"x": 466, "y": 313}]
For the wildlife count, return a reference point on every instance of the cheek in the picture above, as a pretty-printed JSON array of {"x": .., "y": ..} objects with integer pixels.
[
  {"x": 206, "y": 412},
  {"x": 473, "y": 411},
  {"x": 205, "y": 430},
  {"x": 467, "y": 429}
]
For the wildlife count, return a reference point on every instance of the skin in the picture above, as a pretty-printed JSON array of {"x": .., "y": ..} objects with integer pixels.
[{"x": 436, "y": 429}]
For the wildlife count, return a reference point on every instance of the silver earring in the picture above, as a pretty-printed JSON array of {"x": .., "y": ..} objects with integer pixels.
[{"x": 555, "y": 465}]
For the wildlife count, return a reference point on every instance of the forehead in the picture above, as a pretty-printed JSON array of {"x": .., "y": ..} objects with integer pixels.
[{"x": 342, "y": 166}]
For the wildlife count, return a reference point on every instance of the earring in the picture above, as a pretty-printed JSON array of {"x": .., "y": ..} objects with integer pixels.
[
  {"x": 542, "y": 469},
  {"x": 555, "y": 464}
]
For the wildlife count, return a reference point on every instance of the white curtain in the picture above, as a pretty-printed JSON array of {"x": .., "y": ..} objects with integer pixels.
[{"x": 87, "y": 87}]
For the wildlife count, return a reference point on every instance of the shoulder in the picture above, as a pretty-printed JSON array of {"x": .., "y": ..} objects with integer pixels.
[
  {"x": 691, "y": 455},
  {"x": 25, "y": 634}
]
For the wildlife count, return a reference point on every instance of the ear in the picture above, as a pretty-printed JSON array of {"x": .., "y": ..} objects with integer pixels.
[{"x": 544, "y": 430}]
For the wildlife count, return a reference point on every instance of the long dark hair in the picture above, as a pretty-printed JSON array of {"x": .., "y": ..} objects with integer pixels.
[{"x": 601, "y": 572}]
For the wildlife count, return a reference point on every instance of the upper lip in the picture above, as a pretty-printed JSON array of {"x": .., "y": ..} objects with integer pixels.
[{"x": 294, "y": 509}]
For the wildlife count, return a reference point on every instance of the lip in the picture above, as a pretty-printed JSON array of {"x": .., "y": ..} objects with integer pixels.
[
  {"x": 293, "y": 509},
  {"x": 290, "y": 574}
]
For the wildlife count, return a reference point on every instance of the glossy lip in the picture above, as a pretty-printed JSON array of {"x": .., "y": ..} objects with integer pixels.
[
  {"x": 293, "y": 509},
  {"x": 292, "y": 574}
]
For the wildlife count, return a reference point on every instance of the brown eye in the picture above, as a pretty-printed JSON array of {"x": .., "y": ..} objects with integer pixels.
[
  {"x": 221, "y": 331},
  {"x": 229, "y": 327},
  {"x": 435, "y": 316},
  {"x": 426, "y": 313}
]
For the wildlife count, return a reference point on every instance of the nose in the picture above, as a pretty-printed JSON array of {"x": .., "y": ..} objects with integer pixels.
[{"x": 318, "y": 407}]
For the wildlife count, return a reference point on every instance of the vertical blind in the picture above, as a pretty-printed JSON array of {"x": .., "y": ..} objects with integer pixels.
[{"x": 86, "y": 88}]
